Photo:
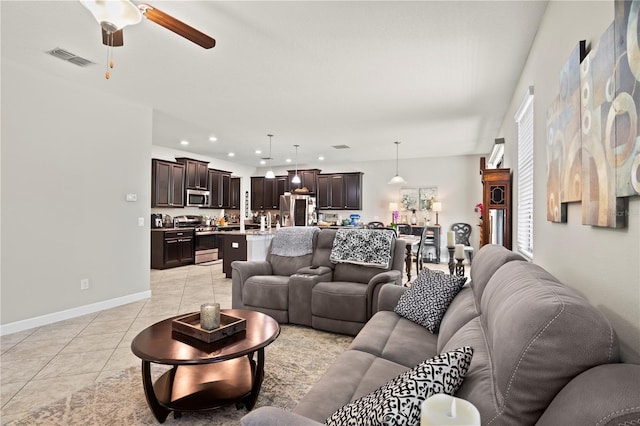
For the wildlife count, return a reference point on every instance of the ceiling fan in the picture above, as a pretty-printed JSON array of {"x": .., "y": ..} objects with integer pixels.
[{"x": 114, "y": 15}]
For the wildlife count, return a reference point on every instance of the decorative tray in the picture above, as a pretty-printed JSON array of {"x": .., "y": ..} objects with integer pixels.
[{"x": 190, "y": 325}]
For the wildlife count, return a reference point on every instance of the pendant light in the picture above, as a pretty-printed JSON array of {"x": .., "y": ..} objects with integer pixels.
[
  {"x": 397, "y": 179},
  {"x": 296, "y": 178},
  {"x": 270, "y": 174}
]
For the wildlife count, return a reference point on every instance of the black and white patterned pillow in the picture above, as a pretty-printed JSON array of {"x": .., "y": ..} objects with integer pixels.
[
  {"x": 398, "y": 401},
  {"x": 428, "y": 299},
  {"x": 369, "y": 247}
]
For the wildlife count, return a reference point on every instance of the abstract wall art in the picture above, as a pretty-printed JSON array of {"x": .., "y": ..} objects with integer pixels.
[
  {"x": 600, "y": 164},
  {"x": 564, "y": 141}
]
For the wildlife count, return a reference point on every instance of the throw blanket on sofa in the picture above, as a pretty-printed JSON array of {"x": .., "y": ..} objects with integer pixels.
[
  {"x": 369, "y": 247},
  {"x": 293, "y": 241}
]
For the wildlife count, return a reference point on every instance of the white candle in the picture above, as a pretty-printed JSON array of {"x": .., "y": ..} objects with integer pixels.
[
  {"x": 451, "y": 237},
  {"x": 459, "y": 253},
  {"x": 445, "y": 410},
  {"x": 210, "y": 316}
]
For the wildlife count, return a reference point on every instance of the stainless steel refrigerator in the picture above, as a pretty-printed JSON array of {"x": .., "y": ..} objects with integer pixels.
[{"x": 297, "y": 210}]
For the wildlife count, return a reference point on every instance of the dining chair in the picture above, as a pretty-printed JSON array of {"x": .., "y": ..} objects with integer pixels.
[
  {"x": 425, "y": 237},
  {"x": 375, "y": 224},
  {"x": 462, "y": 233}
]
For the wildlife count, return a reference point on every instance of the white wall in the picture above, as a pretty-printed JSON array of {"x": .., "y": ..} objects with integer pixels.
[
  {"x": 604, "y": 264},
  {"x": 69, "y": 156}
]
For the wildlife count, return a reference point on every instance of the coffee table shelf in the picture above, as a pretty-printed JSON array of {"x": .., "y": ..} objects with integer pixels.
[{"x": 206, "y": 386}]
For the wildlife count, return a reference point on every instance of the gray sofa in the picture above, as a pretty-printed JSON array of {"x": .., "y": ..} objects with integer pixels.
[
  {"x": 312, "y": 290},
  {"x": 542, "y": 354}
]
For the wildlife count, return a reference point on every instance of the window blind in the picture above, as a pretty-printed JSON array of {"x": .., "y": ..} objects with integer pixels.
[{"x": 524, "y": 120}]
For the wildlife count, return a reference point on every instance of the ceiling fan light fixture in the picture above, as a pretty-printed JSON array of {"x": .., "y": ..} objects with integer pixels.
[
  {"x": 397, "y": 179},
  {"x": 113, "y": 15}
]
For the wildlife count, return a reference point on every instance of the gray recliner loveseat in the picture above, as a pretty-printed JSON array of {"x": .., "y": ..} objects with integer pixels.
[{"x": 311, "y": 289}]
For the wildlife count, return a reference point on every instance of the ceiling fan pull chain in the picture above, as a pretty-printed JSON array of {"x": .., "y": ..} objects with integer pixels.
[{"x": 109, "y": 55}]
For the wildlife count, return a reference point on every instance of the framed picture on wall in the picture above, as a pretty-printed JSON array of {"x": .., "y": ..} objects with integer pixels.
[
  {"x": 427, "y": 196},
  {"x": 409, "y": 198}
]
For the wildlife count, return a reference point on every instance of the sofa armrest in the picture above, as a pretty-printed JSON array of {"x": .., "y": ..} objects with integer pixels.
[
  {"x": 300, "y": 290},
  {"x": 241, "y": 271},
  {"x": 389, "y": 296},
  {"x": 375, "y": 283},
  {"x": 277, "y": 417}
]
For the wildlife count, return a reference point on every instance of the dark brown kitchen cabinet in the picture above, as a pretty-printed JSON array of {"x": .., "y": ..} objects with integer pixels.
[
  {"x": 308, "y": 179},
  {"x": 172, "y": 248},
  {"x": 340, "y": 191},
  {"x": 220, "y": 189},
  {"x": 265, "y": 193},
  {"x": 167, "y": 184},
  {"x": 234, "y": 196},
  {"x": 196, "y": 173}
]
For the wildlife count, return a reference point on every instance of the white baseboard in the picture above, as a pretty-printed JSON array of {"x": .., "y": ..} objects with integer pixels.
[{"x": 47, "y": 319}]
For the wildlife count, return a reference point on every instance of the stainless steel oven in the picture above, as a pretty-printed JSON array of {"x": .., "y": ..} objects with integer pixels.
[{"x": 206, "y": 244}]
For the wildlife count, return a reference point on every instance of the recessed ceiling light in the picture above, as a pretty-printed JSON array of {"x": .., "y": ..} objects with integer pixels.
[
  {"x": 213, "y": 138},
  {"x": 258, "y": 151},
  {"x": 231, "y": 154},
  {"x": 288, "y": 160},
  {"x": 321, "y": 158},
  {"x": 183, "y": 142},
  {"x": 263, "y": 162}
]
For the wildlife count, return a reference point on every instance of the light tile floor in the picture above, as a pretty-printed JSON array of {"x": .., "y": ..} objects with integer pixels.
[{"x": 41, "y": 365}]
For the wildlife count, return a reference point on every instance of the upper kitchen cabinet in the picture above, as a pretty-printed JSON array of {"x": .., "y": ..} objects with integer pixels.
[
  {"x": 220, "y": 188},
  {"x": 340, "y": 191},
  {"x": 167, "y": 184},
  {"x": 234, "y": 197},
  {"x": 308, "y": 179},
  {"x": 196, "y": 173},
  {"x": 265, "y": 193}
]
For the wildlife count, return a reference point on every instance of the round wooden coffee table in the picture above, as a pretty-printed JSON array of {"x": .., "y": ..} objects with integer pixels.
[{"x": 204, "y": 376}]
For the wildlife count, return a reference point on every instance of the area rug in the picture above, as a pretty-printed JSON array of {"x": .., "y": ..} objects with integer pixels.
[{"x": 295, "y": 361}]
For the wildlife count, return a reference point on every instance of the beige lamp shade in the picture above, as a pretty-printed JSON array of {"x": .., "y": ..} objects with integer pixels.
[
  {"x": 436, "y": 206},
  {"x": 393, "y": 207}
]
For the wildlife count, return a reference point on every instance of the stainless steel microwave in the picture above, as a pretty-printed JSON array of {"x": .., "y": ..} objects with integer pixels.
[{"x": 197, "y": 198}]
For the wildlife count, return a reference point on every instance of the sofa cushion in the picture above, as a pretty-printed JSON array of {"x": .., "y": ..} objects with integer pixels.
[
  {"x": 539, "y": 334},
  {"x": 488, "y": 260},
  {"x": 352, "y": 375},
  {"x": 324, "y": 244},
  {"x": 285, "y": 265},
  {"x": 428, "y": 298},
  {"x": 398, "y": 401},
  {"x": 267, "y": 291},
  {"x": 461, "y": 310},
  {"x": 386, "y": 335},
  {"x": 340, "y": 300}
]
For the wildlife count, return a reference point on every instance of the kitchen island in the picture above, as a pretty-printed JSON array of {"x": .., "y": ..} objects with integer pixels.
[{"x": 245, "y": 245}]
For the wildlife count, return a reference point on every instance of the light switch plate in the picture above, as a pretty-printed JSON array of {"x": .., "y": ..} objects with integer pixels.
[
  {"x": 132, "y": 197},
  {"x": 141, "y": 221}
]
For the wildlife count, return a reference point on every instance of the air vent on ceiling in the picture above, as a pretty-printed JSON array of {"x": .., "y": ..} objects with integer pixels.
[
  {"x": 69, "y": 57},
  {"x": 341, "y": 146}
]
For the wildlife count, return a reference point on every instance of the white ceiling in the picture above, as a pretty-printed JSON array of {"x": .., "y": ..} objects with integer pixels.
[{"x": 435, "y": 75}]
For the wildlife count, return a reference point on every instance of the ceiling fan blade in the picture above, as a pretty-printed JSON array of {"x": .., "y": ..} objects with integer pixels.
[
  {"x": 178, "y": 27},
  {"x": 115, "y": 39}
]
